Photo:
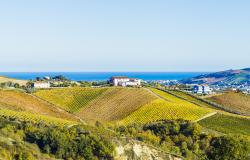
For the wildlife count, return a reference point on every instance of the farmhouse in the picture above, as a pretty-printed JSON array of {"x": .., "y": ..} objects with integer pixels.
[
  {"x": 202, "y": 89},
  {"x": 124, "y": 81},
  {"x": 40, "y": 85}
]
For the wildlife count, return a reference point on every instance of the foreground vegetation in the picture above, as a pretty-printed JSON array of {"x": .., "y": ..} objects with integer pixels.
[
  {"x": 22, "y": 140},
  {"x": 185, "y": 138},
  {"x": 28, "y": 141}
]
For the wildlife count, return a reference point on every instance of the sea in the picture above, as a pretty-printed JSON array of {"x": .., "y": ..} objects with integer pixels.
[{"x": 101, "y": 76}]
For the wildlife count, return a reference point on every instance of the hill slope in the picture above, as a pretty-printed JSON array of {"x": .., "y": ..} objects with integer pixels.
[
  {"x": 19, "y": 101},
  {"x": 224, "y": 77},
  {"x": 6, "y": 79},
  {"x": 70, "y": 99},
  {"x": 227, "y": 124},
  {"x": 234, "y": 101},
  {"x": 116, "y": 103},
  {"x": 166, "y": 107},
  {"x": 105, "y": 104}
]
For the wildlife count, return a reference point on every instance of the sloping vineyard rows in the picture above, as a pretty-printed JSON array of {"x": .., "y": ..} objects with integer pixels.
[
  {"x": 70, "y": 99},
  {"x": 35, "y": 118}
]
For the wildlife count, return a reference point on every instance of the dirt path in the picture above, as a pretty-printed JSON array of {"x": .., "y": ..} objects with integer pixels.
[
  {"x": 56, "y": 107},
  {"x": 157, "y": 95},
  {"x": 206, "y": 116}
]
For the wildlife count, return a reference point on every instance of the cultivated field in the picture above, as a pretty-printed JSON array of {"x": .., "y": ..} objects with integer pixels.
[
  {"x": 227, "y": 124},
  {"x": 104, "y": 104},
  {"x": 35, "y": 118},
  {"x": 117, "y": 103},
  {"x": 234, "y": 101},
  {"x": 70, "y": 99},
  {"x": 19, "y": 101},
  {"x": 191, "y": 99},
  {"x": 166, "y": 107}
]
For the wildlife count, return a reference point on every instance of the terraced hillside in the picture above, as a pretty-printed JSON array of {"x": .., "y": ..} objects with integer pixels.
[
  {"x": 19, "y": 101},
  {"x": 234, "y": 101},
  {"x": 166, "y": 107},
  {"x": 104, "y": 104}
]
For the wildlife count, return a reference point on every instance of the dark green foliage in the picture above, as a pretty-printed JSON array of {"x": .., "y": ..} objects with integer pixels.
[
  {"x": 228, "y": 148},
  {"x": 185, "y": 138},
  {"x": 63, "y": 143}
]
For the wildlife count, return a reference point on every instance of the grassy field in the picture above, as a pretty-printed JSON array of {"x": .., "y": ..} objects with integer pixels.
[
  {"x": 104, "y": 104},
  {"x": 234, "y": 101},
  {"x": 6, "y": 79},
  {"x": 227, "y": 124},
  {"x": 167, "y": 107},
  {"x": 19, "y": 101}
]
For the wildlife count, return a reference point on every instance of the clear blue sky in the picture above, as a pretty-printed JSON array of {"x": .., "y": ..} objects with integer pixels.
[{"x": 128, "y": 35}]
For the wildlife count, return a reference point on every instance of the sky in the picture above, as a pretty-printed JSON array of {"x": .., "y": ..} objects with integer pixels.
[{"x": 128, "y": 35}]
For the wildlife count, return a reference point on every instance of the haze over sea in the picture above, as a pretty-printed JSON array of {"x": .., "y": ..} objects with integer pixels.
[{"x": 99, "y": 76}]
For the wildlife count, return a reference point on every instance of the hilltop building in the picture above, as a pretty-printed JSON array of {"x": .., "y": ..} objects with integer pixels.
[
  {"x": 202, "y": 89},
  {"x": 125, "y": 81},
  {"x": 40, "y": 85}
]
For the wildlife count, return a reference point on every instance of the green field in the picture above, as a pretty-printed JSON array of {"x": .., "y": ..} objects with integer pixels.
[{"x": 227, "y": 124}]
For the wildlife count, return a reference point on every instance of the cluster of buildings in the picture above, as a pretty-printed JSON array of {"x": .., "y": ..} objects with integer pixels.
[
  {"x": 124, "y": 81},
  {"x": 40, "y": 84},
  {"x": 202, "y": 89}
]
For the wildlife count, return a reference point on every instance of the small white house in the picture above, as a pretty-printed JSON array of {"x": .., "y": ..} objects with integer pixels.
[
  {"x": 40, "y": 85},
  {"x": 202, "y": 89},
  {"x": 125, "y": 81}
]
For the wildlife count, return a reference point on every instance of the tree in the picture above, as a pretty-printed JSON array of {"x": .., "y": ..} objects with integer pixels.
[{"x": 228, "y": 148}]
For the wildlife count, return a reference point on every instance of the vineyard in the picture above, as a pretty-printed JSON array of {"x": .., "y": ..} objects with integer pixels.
[
  {"x": 116, "y": 103},
  {"x": 19, "y": 101},
  {"x": 70, "y": 99},
  {"x": 227, "y": 124},
  {"x": 167, "y": 107},
  {"x": 34, "y": 118},
  {"x": 190, "y": 98},
  {"x": 104, "y": 104},
  {"x": 234, "y": 101}
]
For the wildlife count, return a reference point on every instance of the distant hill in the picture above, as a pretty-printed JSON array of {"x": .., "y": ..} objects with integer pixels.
[
  {"x": 240, "y": 76},
  {"x": 6, "y": 79},
  {"x": 238, "y": 102}
]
